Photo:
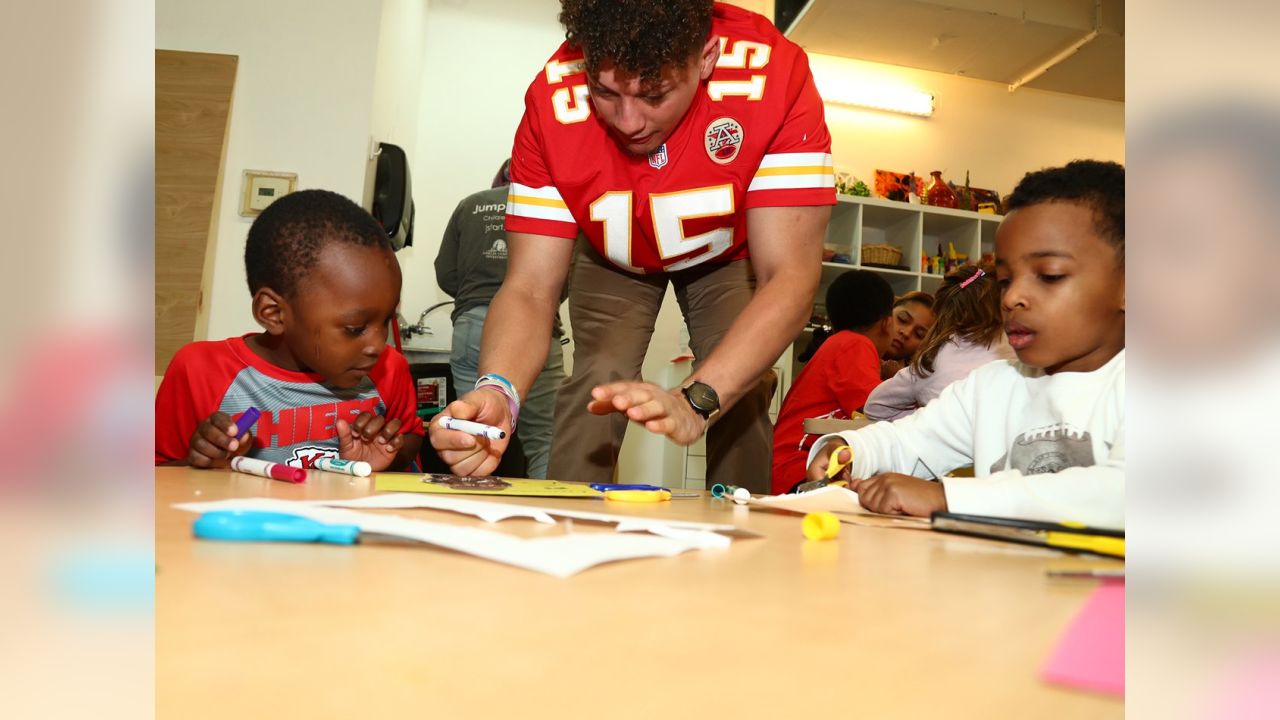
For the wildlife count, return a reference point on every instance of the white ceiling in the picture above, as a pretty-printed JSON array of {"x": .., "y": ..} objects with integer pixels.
[{"x": 998, "y": 40}]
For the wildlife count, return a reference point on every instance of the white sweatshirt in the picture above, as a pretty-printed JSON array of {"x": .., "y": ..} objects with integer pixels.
[
  {"x": 906, "y": 392},
  {"x": 1044, "y": 447}
]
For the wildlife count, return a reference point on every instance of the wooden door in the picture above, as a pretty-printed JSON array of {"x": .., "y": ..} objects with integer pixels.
[{"x": 193, "y": 105}]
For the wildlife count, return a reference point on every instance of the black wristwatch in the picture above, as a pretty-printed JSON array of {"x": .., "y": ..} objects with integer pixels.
[{"x": 703, "y": 398}]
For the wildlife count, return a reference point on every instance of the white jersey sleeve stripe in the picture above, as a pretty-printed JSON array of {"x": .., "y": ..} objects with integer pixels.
[
  {"x": 796, "y": 159},
  {"x": 792, "y": 182},
  {"x": 540, "y": 212},
  {"x": 548, "y": 192}
]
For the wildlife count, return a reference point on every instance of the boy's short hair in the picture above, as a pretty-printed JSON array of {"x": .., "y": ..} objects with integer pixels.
[
  {"x": 285, "y": 240},
  {"x": 639, "y": 36},
  {"x": 1096, "y": 183},
  {"x": 857, "y": 300}
]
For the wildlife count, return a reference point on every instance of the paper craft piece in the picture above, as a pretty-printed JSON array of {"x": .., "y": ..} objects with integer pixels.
[
  {"x": 496, "y": 511},
  {"x": 560, "y": 556},
  {"x": 1090, "y": 654},
  {"x": 486, "y": 485},
  {"x": 832, "y": 498}
]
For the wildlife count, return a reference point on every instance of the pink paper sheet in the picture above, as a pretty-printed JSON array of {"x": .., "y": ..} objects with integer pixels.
[{"x": 1090, "y": 654}]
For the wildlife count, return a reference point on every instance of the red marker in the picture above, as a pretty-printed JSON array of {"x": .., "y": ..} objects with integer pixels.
[{"x": 262, "y": 468}]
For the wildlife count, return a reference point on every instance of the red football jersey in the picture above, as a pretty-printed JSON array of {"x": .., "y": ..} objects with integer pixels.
[
  {"x": 835, "y": 382},
  {"x": 755, "y": 136}
]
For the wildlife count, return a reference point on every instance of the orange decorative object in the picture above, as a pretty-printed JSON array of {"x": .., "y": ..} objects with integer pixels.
[{"x": 940, "y": 193}]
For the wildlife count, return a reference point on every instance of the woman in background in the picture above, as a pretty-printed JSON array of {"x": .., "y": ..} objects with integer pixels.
[{"x": 913, "y": 315}]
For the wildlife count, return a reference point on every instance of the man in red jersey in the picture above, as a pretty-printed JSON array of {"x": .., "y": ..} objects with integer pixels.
[{"x": 686, "y": 141}]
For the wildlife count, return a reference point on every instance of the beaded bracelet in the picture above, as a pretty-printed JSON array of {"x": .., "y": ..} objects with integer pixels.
[{"x": 504, "y": 386}]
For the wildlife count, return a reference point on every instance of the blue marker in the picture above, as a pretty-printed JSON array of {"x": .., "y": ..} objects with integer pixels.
[{"x": 246, "y": 421}]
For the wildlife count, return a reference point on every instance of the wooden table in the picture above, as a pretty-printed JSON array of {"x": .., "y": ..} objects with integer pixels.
[{"x": 879, "y": 623}]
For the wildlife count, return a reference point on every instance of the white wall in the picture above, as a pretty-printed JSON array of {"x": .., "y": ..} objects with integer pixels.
[
  {"x": 480, "y": 57},
  {"x": 397, "y": 80},
  {"x": 304, "y": 90},
  {"x": 977, "y": 126}
]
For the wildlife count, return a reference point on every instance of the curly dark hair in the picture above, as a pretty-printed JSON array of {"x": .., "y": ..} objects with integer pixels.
[
  {"x": 1095, "y": 183},
  {"x": 858, "y": 299},
  {"x": 639, "y": 36},
  {"x": 285, "y": 240}
]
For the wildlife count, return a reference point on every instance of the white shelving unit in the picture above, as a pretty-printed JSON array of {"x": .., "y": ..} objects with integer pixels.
[{"x": 916, "y": 230}]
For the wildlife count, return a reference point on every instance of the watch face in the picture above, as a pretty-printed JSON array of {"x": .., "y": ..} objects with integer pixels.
[{"x": 703, "y": 397}]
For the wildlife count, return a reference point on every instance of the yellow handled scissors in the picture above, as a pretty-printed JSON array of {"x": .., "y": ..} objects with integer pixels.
[
  {"x": 834, "y": 465},
  {"x": 638, "y": 495}
]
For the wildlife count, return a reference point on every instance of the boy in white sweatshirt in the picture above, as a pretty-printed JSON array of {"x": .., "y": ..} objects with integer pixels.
[{"x": 1045, "y": 433}]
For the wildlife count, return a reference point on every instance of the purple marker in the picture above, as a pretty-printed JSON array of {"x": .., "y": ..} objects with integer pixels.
[{"x": 246, "y": 421}]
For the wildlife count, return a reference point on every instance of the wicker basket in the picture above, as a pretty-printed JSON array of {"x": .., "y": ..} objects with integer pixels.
[{"x": 881, "y": 254}]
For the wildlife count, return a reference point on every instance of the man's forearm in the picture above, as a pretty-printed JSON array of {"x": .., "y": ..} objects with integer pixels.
[
  {"x": 786, "y": 252},
  {"x": 517, "y": 334}
]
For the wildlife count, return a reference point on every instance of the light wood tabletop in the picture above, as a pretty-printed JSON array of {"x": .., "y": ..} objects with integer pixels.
[{"x": 878, "y": 623}]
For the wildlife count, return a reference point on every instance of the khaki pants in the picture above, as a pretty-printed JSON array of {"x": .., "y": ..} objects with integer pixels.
[{"x": 612, "y": 314}]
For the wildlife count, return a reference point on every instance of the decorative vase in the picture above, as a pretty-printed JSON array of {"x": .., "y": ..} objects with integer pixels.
[{"x": 940, "y": 194}]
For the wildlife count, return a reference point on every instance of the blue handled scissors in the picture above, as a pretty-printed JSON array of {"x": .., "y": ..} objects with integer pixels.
[
  {"x": 639, "y": 492},
  {"x": 260, "y": 525},
  {"x": 606, "y": 487}
]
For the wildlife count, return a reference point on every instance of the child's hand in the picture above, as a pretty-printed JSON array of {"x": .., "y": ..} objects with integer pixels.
[
  {"x": 896, "y": 494},
  {"x": 371, "y": 438},
  {"x": 818, "y": 468},
  {"x": 214, "y": 442}
]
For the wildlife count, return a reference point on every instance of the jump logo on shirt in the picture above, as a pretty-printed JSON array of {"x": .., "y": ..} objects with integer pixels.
[
  {"x": 1048, "y": 450},
  {"x": 723, "y": 139},
  {"x": 305, "y": 457}
]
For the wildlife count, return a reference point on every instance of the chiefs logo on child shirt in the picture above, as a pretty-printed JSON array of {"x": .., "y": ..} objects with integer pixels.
[{"x": 724, "y": 139}]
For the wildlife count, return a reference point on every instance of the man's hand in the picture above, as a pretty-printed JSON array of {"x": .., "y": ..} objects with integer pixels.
[
  {"x": 214, "y": 442},
  {"x": 660, "y": 411},
  {"x": 371, "y": 438},
  {"x": 466, "y": 454},
  {"x": 896, "y": 494}
]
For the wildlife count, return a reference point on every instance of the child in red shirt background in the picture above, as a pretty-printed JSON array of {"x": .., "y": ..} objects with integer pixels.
[{"x": 841, "y": 374}]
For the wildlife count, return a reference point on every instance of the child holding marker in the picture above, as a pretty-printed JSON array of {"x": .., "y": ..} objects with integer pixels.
[
  {"x": 325, "y": 285},
  {"x": 1045, "y": 433}
]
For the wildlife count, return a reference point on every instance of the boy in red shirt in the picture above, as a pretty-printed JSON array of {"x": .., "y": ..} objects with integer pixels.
[
  {"x": 325, "y": 286},
  {"x": 841, "y": 374}
]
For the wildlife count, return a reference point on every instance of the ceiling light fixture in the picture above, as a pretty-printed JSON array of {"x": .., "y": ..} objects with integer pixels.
[{"x": 842, "y": 90}]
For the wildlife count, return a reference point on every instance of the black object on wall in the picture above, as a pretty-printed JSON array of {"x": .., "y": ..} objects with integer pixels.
[
  {"x": 785, "y": 13},
  {"x": 393, "y": 195}
]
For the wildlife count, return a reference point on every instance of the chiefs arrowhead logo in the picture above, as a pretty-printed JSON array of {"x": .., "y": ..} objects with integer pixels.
[{"x": 305, "y": 457}]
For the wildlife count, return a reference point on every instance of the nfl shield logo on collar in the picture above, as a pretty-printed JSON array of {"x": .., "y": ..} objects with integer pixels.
[{"x": 658, "y": 158}]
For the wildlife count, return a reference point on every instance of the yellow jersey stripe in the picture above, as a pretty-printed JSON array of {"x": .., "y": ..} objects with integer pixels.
[{"x": 529, "y": 200}]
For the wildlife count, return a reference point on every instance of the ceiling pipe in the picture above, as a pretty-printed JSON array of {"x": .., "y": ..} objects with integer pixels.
[{"x": 1066, "y": 52}]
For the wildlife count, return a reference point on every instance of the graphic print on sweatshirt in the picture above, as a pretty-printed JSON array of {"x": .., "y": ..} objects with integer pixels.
[
  {"x": 1048, "y": 449},
  {"x": 298, "y": 425}
]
